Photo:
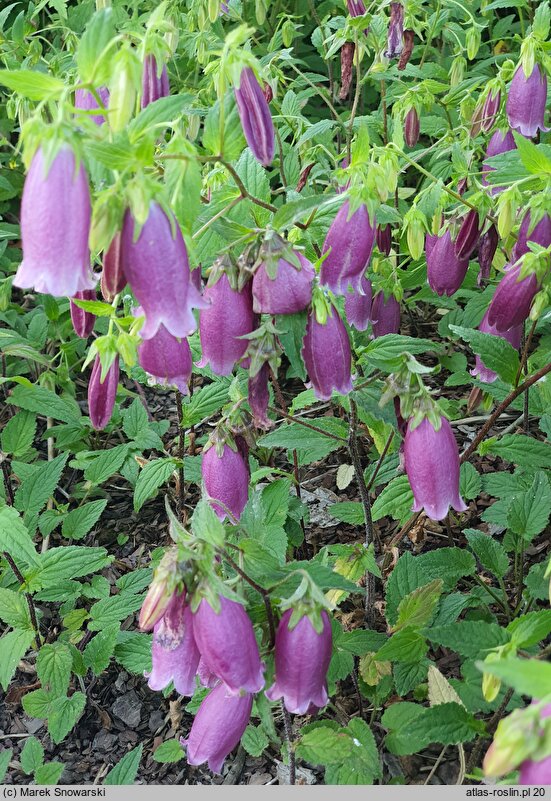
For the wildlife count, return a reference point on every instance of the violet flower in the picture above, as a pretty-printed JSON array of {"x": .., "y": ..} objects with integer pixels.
[
  {"x": 113, "y": 279},
  {"x": 357, "y": 308},
  {"x": 154, "y": 85},
  {"x": 537, "y": 772},
  {"x": 385, "y": 315},
  {"x": 432, "y": 466},
  {"x": 101, "y": 395},
  {"x": 356, "y": 8},
  {"x": 326, "y": 355},
  {"x": 513, "y": 336},
  {"x": 468, "y": 235},
  {"x": 166, "y": 359},
  {"x": 157, "y": 269},
  {"x": 217, "y": 727},
  {"x": 395, "y": 36},
  {"x": 526, "y": 101},
  {"x": 500, "y": 142},
  {"x": 540, "y": 234},
  {"x": 302, "y": 659},
  {"x": 411, "y": 127},
  {"x": 174, "y": 654},
  {"x": 510, "y": 305},
  {"x": 383, "y": 237},
  {"x": 55, "y": 224},
  {"x": 490, "y": 110},
  {"x": 83, "y": 321},
  {"x": 228, "y": 646},
  {"x": 487, "y": 247},
  {"x": 255, "y": 117},
  {"x": 259, "y": 397},
  {"x": 289, "y": 292},
  {"x": 86, "y": 101},
  {"x": 445, "y": 271},
  {"x": 225, "y": 479},
  {"x": 350, "y": 244},
  {"x": 227, "y": 317}
]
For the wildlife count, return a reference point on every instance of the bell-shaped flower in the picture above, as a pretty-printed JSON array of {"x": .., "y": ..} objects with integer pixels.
[
  {"x": 385, "y": 315},
  {"x": 113, "y": 279},
  {"x": 540, "y": 233},
  {"x": 206, "y": 677},
  {"x": 445, "y": 271},
  {"x": 432, "y": 466},
  {"x": 156, "y": 267},
  {"x": 228, "y": 646},
  {"x": 217, "y": 727},
  {"x": 356, "y": 8},
  {"x": 86, "y": 101},
  {"x": 55, "y": 224},
  {"x": 487, "y": 246},
  {"x": 500, "y": 142},
  {"x": 225, "y": 479},
  {"x": 395, "y": 36},
  {"x": 490, "y": 109},
  {"x": 302, "y": 657},
  {"x": 83, "y": 321},
  {"x": 326, "y": 355},
  {"x": 287, "y": 291},
  {"x": 513, "y": 336},
  {"x": 227, "y": 317},
  {"x": 102, "y": 394},
  {"x": 526, "y": 101},
  {"x": 175, "y": 656},
  {"x": 510, "y": 305},
  {"x": 349, "y": 244},
  {"x": 468, "y": 235},
  {"x": 255, "y": 116},
  {"x": 411, "y": 127},
  {"x": 384, "y": 239},
  {"x": 166, "y": 359},
  {"x": 357, "y": 308},
  {"x": 154, "y": 81}
]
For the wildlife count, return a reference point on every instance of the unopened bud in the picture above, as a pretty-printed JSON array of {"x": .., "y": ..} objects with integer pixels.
[
  {"x": 160, "y": 592},
  {"x": 472, "y": 41},
  {"x": 457, "y": 70}
]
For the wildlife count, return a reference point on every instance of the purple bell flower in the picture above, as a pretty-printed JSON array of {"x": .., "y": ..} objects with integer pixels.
[
  {"x": 357, "y": 308},
  {"x": 228, "y": 316},
  {"x": 537, "y": 773},
  {"x": 302, "y": 659},
  {"x": 255, "y": 117},
  {"x": 113, "y": 279},
  {"x": 385, "y": 316},
  {"x": 101, "y": 395},
  {"x": 432, "y": 466},
  {"x": 356, "y": 8},
  {"x": 468, "y": 235},
  {"x": 541, "y": 234},
  {"x": 490, "y": 110},
  {"x": 156, "y": 267},
  {"x": 411, "y": 127},
  {"x": 259, "y": 397},
  {"x": 154, "y": 85},
  {"x": 395, "y": 37},
  {"x": 175, "y": 655},
  {"x": 513, "y": 336},
  {"x": 500, "y": 142},
  {"x": 445, "y": 271},
  {"x": 289, "y": 292},
  {"x": 86, "y": 101},
  {"x": 350, "y": 244},
  {"x": 206, "y": 677},
  {"x": 526, "y": 101},
  {"x": 228, "y": 646},
  {"x": 83, "y": 321},
  {"x": 383, "y": 237},
  {"x": 167, "y": 359},
  {"x": 55, "y": 224},
  {"x": 487, "y": 247},
  {"x": 510, "y": 305},
  {"x": 226, "y": 479},
  {"x": 217, "y": 727},
  {"x": 326, "y": 355}
]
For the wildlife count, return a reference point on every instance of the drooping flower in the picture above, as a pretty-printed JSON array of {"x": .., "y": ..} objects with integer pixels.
[
  {"x": 289, "y": 292},
  {"x": 326, "y": 355},
  {"x": 217, "y": 727},
  {"x": 154, "y": 82},
  {"x": 537, "y": 772},
  {"x": 513, "y": 336},
  {"x": 468, "y": 235},
  {"x": 385, "y": 315},
  {"x": 227, "y": 317},
  {"x": 350, "y": 244},
  {"x": 86, "y": 101},
  {"x": 113, "y": 279},
  {"x": 347, "y": 62},
  {"x": 175, "y": 656},
  {"x": 228, "y": 646},
  {"x": 255, "y": 117},
  {"x": 225, "y": 479},
  {"x": 526, "y": 101},
  {"x": 487, "y": 246},
  {"x": 384, "y": 238},
  {"x": 83, "y": 321},
  {"x": 490, "y": 110},
  {"x": 357, "y": 308},
  {"x": 411, "y": 127},
  {"x": 259, "y": 397},
  {"x": 510, "y": 305},
  {"x": 168, "y": 360},
  {"x": 206, "y": 678},
  {"x": 541, "y": 234},
  {"x": 432, "y": 466},
  {"x": 302, "y": 659},
  {"x": 102, "y": 394},
  {"x": 356, "y": 8},
  {"x": 395, "y": 36},
  {"x": 55, "y": 224},
  {"x": 445, "y": 271},
  {"x": 500, "y": 142},
  {"x": 156, "y": 267}
]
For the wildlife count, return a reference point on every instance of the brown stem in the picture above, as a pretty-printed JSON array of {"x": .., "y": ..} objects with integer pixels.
[
  {"x": 30, "y": 603},
  {"x": 492, "y": 726},
  {"x": 141, "y": 393},
  {"x": 260, "y": 590},
  {"x": 381, "y": 460},
  {"x": 7, "y": 482},
  {"x": 525, "y": 349},
  {"x": 181, "y": 454},
  {"x": 289, "y": 736}
]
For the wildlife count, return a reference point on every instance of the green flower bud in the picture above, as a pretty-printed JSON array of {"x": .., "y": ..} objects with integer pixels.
[
  {"x": 457, "y": 71},
  {"x": 507, "y": 209},
  {"x": 123, "y": 88},
  {"x": 472, "y": 41},
  {"x": 5, "y": 293},
  {"x": 287, "y": 33}
]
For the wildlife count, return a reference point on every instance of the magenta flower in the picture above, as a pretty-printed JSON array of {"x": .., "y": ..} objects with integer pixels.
[
  {"x": 350, "y": 243},
  {"x": 467, "y": 236},
  {"x": 526, "y": 101},
  {"x": 83, "y": 321},
  {"x": 541, "y": 234},
  {"x": 228, "y": 646},
  {"x": 113, "y": 279},
  {"x": 356, "y": 8},
  {"x": 384, "y": 239},
  {"x": 445, "y": 271},
  {"x": 411, "y": 127},
  {"x": 225, "y": 479},
  {"x": 385, "y": 315},
  {"x": 490, "y": 110},
  {"x": 217, "y": 727},
  {"x": 395, "y": 36},
  {"x": 432, "y": 467},
  {"x": 289, "y": 292},
  {"x": 513, "y": 336},
  {"x": 326, "y": 355},
  {"x": 255, "y": 117},
  {"x": 510, "y": 305},
  {"x": 167, "y": 359},
  {"x": 156, "y": 267},
  {"x": 537, "y": 773},
  {"x": 175, "y": 655},
  {"x": 500, "y": 142},
  {"x": 154, "y": 83},
  {"x": 101, "y": 395},
  {"x": 487, "y": 247},
  {"x": 86, "y": 101},
  {"x": 206, "y": 677},
  {"x": 357, "y": 308},
  {"x": 302, "y": 659},
  {"x": 55, "y": 224},
  {"x": 259, "y": 397},
  {"x": 227, "y": 317}
]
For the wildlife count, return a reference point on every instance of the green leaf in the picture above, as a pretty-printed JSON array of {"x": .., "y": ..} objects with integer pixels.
[
  {"x": 44, "y": 402},
  {"x": 112, "y": 610},
  {"x": 311, "y": 446},
  {"x": 18, "y": 434},
  {"x": 78, "y": 522},
  {"x": 169, "y": 751},
  {"x": 233, "y": 139},
  {"x": 417, "y": 608},
  {"x": 469, "y": 637},
  {"x": 134, "y": 419},
  {"x": 496, "y": 353},
  {"x": 158, "y": 115},
  {"x": 300, "y": 209},
  {"x": 386, "y": 352},
  {"x": 407, "y": 645},
  {"x": 470, "y": 481},
  {"x": 39, "y": 484},
  {"x": 292, "y": 328},
  {"x": 408, "y": 675},
  {"x": 348, "y": 512},
  {"x": 529, "y": 511},
  {"x": 133, "y": 651},
  {"x": 152, "y": 476},
  {"x": 32, "y": 84},
  {"x": 519, "y": 449},
  {"x": 532, "y": 156},
  {"x": 32, "y": 755},
  {"x": 5, "y": 759},
  {"x": 67, "y": 562},
  {"x": 363, "y": 764},
  {"x": 537, "y": 583},
  {"x": 49, "y": 774},
  {"x": 53, "y": 665},
  {"x": 105, "y": 464},
  {"x": 14, "y": 537},
  {"x": 324, "y": 746},
  {"x": 37, "y": 704},
  {"x": 254, "y": 740},
  {"x": 530, "y": 629},
  {"x": 491, "y": 553},
  {"x": 395, "y": 500},
  {"x": 92, "y": 67},
  {"x": 99, "y": 650},
  {"x": 14, "y": 610},
  {"x": 205, "y": 403},
  {"x": 95, "y": 307},
  {"x": 126, "y": 770},
  {"x": 13, "y": 647},
  {"x": 64, "y": 714},
  {"x": 527, "y": 676},
  {"x": 446, "y": 724}
]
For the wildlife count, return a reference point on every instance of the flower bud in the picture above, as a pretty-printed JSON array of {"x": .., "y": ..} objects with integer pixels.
[
  {"x": 154, "y": 81},
  {"x": 225, "y": 479},
  {"x": 166, "y": 359},
  {"x": 160, "y": 592},
  {"x": 123, "y": 89},
  {"x": 347, "y": 62},
  {"x": 445, "y": 270},
  {"x": 510, "y": 305},
  {"x": 326, "y": 355},
  {"x": 491, "y": 109},
  {"x": 468, "y": 235},
  {"x": 409, "y": 40},
  {"x": 385, "y": 315},
  {"x": 414, "y": 221},
  {"x": 539, "y": 233},
  {"x": 85, "y": 101},
  {"x": 432, "y": 466},
  {"x": 83, "y": 321},
  {"x": 174, "y": 654},
  {"x": 255, "y": 117},
  {"x": 526, "y": 101},
  {"x": 113, "y": 279},
  {"x": 411, "y": 127},
  {"x": 287, "y": 291},
  {"x": 472, "y": 41},
  {"x": 227, "y": 317},
  {"x": 457, "y": 71},
  {"x": 513, "y": 336},
  {"x": 356, "y": 8},
  {"x": 395, "y": 43},
  {"x": 357, "y": 308},
  {"x": 487, "y": 246},
  {"x": 350, "y": 241},
  {"x": 507, "y": 207},
  {"x": 259, "y": 397},
  {"x": 384, "y": 239},
  {"x": 102, "y": 394}
]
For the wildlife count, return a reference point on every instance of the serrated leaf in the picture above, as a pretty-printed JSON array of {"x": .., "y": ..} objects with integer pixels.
[
  {"x": 32, "y": 755},
  {"x": 44, "y": 402},
  {"x": 64, "y": 714},
  {"x": 446, "y": 724},
  {"x": 99, "y": 650},
  {"x": 169, "y": 751},
  {"x": 521, "y": 450},
  {"x": 153, "y": 475},
  {"x": 67, "y": 562},
  {"x": 39, "y": 484},
  {"x": 530, "y": 629},
  {"x": 134, "y": 419},
  {"x": 126, "y": 770},
  {"x": 324, "y": 746},
  {"x": 490, "y": 552},
  {"x": 94, "y": 40},
  {"x": 348, "y": 512},
  {"x": 18, "y": 434},
  {"x": 106, "y": 464},
  {"x": 254, "y": 740},
  {"x": 78, "y": 522},
  {"x": 13, "y": 647},
  {"x": 386, "y": 352},
  {"x": 112, "y": 610},
  {"x": 407, "y": 645},
  {"x": 32, "y": 84},
  {"x": 496, "y": 353},
  {"x": 14, "y": 610},
  {"x": 529, "y": 511},
  {"x": 311, "y": 446},
  {"x": 396, "y": 500},
  {"x": 133, "y": 651},
  {"x": 53, "y": 665},
  {"x": 417, "y": 608},
  {"x": 526, "y": 676},
  {"x": 470, "y": 481},
  {"x": 205, "y": 403},
  {"x": 469, "y": 637},
  {"x": 49, "y": 774},
  {"x": 297, "y": 210}
]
